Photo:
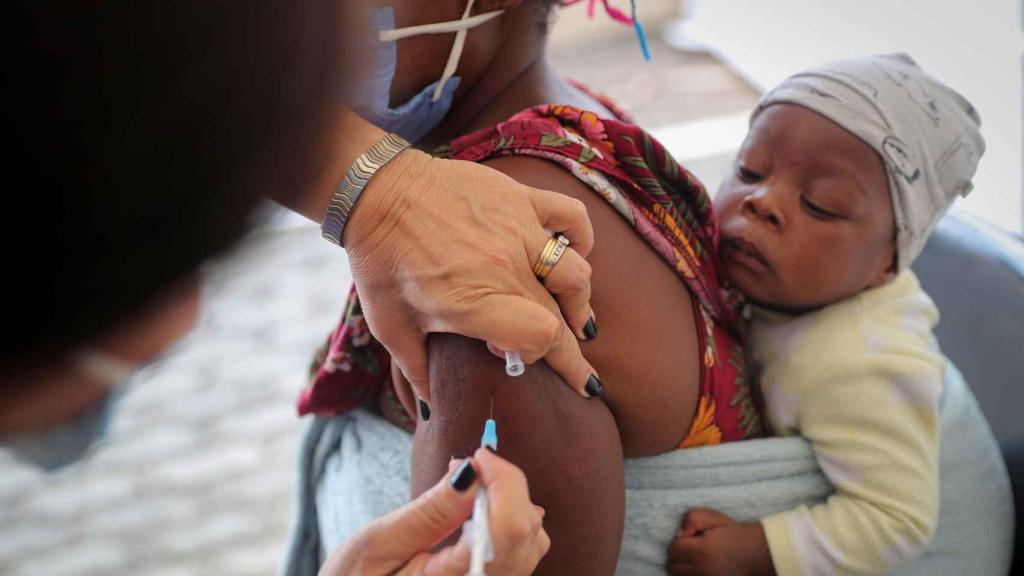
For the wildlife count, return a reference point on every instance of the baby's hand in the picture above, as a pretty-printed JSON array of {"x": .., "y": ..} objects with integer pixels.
[{"x": 712, "y": 544}]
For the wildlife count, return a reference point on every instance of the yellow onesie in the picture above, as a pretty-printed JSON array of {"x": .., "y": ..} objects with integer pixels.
[{"x": 861, "y": 380}]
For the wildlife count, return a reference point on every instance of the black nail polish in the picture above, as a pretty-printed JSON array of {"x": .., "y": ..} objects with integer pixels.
[
  {"x": 424, "y": 410},
  {"x": 594, "y": 387},
  {"x": 590, "y": 329},
  {"x": 463, "y": 477}
]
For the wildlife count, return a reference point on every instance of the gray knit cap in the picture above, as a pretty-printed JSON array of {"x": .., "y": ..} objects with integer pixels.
[{"x": 926, "y": 133}]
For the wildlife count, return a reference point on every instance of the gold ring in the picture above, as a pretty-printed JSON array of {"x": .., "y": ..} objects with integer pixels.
[{"x": 549, "y": 256}]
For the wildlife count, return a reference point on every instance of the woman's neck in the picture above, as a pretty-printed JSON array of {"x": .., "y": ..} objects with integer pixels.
[{"x": 515, "y": 80}]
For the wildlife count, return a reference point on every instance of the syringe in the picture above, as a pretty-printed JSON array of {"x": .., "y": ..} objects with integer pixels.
[
  {"x": 514, "y": 364},
  {"x": 480, "y": 524}
]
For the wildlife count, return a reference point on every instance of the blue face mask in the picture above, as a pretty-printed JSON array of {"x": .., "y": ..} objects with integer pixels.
[
  {"x": 423, "y": 112},
  {"x": 64, "y": 444}
]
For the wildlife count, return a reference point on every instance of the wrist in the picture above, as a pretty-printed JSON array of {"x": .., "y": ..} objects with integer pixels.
[
  {"x": 346, "y": 137},
  {"x": 384, "y": 198},
  {"x": 758, "y": 557}
]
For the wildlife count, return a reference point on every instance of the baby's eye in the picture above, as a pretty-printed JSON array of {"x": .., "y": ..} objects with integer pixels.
[
  {"x": 747, "y": 175},
  {"x": 819, "y": 212}
]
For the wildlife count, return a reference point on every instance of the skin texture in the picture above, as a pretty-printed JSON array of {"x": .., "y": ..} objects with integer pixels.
[
  {"x": 793, "y": 165},
  {"x": 814, "y": 201},
  {"x": 570, "y": 448}
]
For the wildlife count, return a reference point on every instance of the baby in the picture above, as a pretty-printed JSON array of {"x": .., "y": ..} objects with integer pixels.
[{"x": 843, "y": 175}]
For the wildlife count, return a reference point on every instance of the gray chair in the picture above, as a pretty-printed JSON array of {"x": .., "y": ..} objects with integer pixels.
[{"x": 975, "y": 275}]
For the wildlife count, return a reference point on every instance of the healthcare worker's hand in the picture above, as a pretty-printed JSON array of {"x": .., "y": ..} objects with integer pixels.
[
  {"x": 449, "y": 246},
  {"x": 400, "y": 542}
]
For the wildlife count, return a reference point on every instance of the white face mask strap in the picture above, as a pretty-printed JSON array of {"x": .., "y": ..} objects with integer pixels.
[
  {"x": 459, "y": 26},
  {"x": 438, "y": 28},
  {"x": 454, "y": 56}
]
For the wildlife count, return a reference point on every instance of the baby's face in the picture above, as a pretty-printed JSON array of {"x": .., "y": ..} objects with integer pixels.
[{"x": 806, "y": 217}]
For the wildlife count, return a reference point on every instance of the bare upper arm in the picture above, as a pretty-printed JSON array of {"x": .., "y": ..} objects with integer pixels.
[
  {"x": 646, "y": 351},
  {"x": 572, "y": 449}
]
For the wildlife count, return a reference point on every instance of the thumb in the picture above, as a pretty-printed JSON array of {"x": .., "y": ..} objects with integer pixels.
[
  {"x": 430, "y": 518},
  {"x": 699, "y": 520}
]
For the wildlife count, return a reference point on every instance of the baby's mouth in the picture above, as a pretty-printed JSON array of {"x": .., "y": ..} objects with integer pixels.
[{"x": 747, "y": 254}]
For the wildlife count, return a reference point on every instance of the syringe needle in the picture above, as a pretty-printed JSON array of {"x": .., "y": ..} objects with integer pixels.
[{"x": 490, "y": 415}]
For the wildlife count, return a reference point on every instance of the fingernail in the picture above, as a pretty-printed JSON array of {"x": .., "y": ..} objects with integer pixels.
[
  {"x": 590, "y": 329},
  {"x": 594, "y": 387},
  {"x": 424, "y": 410},
  {"x": 493, "y": 451},
  {"x": 464, "y": 476}
]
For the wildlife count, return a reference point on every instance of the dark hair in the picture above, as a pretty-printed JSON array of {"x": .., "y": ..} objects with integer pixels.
[{"x": 138, "y": 136}]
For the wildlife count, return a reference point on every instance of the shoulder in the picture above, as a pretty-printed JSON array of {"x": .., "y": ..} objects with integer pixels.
[
  {"x": 651, "y": 312},
  {"x": 540, "y": 173}
]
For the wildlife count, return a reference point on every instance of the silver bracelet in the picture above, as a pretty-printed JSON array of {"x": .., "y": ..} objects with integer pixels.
[{"x": 348, "y": 192}]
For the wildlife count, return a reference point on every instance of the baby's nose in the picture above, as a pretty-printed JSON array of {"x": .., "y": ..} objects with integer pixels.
[{"x": 761, "y": 205}]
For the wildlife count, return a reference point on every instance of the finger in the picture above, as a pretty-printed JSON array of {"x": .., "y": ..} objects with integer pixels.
[
  {"x": 507, "y": 485},
  {"x": 543, "y": 544},
  {"x": 449, "y": 561},
  {"x": 541, "y": 547},
  {"x": 505, "y": 481},
  {"x": 698, "y": 520},
  {"x": 685, "y": 547},
  {"x": 495, "y": 350},
  {"x": 510, "y": 322},
  {"x": 691, "y": 524},
  {"x": 687, "y": 527},
  {"x": 569, "y": 282},
  {"x": 566, "y": 359},
  {"x": 517, "y": 323},
  {"x": 431, "y": 517},
  {"x": 561, "y": 213},
  {"x": 403, "y": 391},
  {"x": 680, "y": 569},
  {"x": 409, "y": 350},
  {"x": 513, "y": 520},
  {"x": 565, "y": 356}
]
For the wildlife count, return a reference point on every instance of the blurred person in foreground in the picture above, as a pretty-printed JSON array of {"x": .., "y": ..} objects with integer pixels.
[{"x": 141, "y": 137}]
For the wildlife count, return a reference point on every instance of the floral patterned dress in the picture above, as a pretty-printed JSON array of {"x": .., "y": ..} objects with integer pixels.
[{"x": 667, "y": 206}]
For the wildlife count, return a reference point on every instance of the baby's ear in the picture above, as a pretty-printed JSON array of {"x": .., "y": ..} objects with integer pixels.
[{"x": 492, "y": 5}]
